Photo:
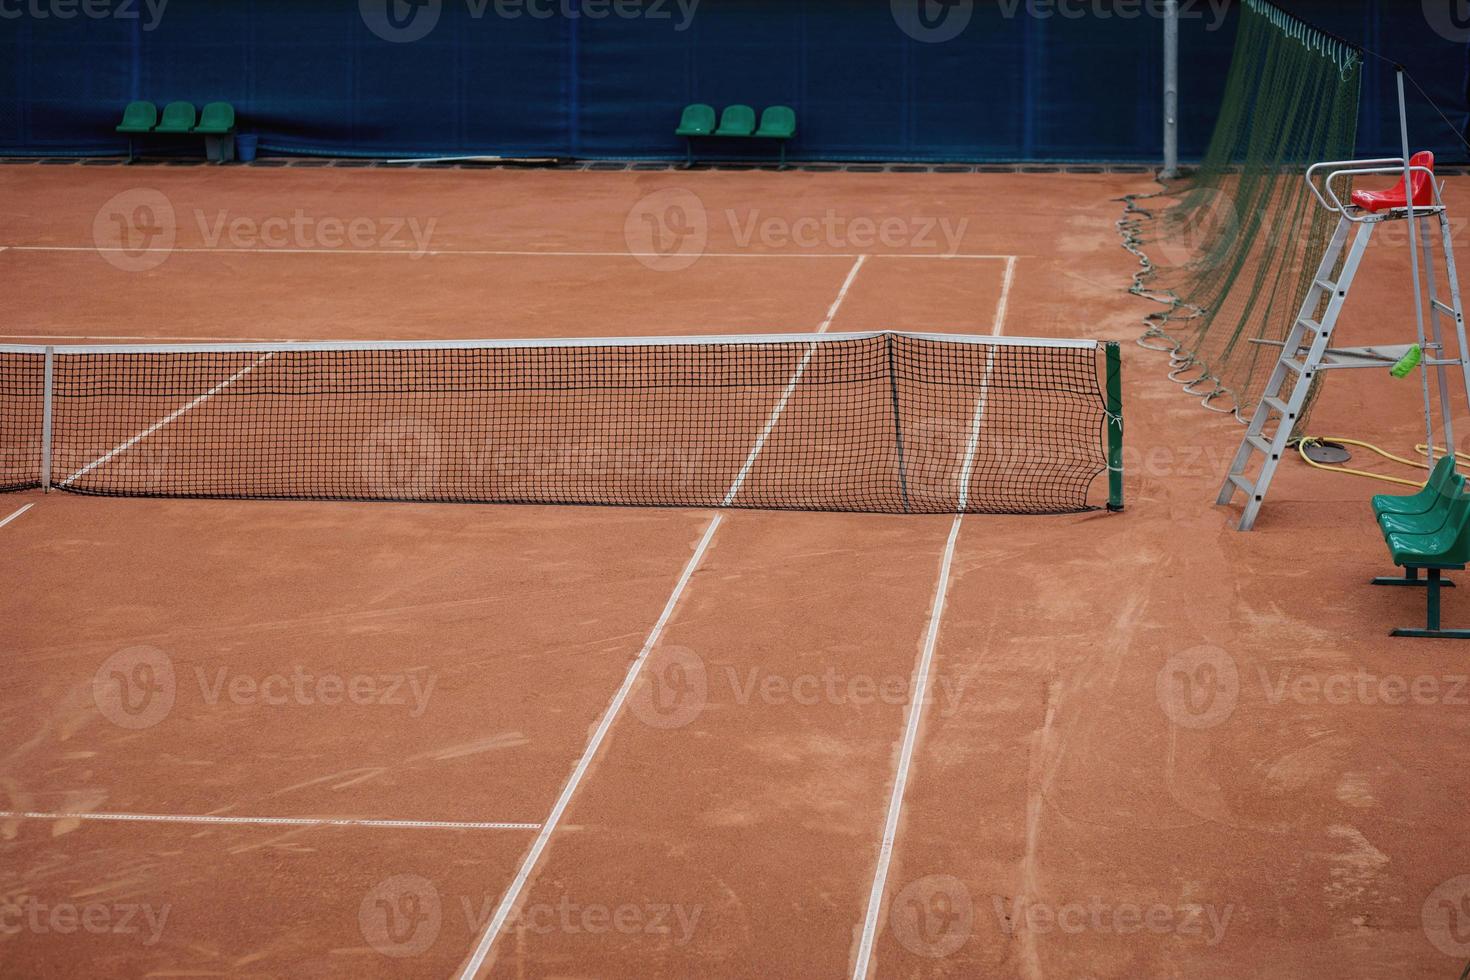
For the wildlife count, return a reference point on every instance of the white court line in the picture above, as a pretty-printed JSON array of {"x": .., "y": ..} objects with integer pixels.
[
  {"x": 548, "y": 253},
  {"x": 13, "y": 516},
  {"x": 760, "y": 442},
  {"x": 512, "y": 894},
  {"x": 166, "y": 420},
  {"x": 270, "y": 821},
  {"x": 925, "y": 665},
  {"x": 159, "y": 339},
  {"x": 1005, "y": 294}
]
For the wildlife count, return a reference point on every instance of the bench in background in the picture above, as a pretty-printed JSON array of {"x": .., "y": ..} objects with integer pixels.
[
  {"x": 777, "y": 122},
  {"x": 216, "y": 124}
]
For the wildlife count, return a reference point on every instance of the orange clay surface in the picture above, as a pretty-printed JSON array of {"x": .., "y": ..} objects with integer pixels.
[{"x": 1152, "y": 746}]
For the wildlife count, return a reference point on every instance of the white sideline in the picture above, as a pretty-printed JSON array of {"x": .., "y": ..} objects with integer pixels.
[
  {"x": 16, "y": 514},
  {"x": 191, "y": 818},
  {"x": 549, "y": 253},
  {"x": 166, "y": 420},
  {"x": 1005, "y": 295},
  {"x": 512, "y": 894},
  {"x": 926, "y": 661},
  {"x": 760, "y": 441}
]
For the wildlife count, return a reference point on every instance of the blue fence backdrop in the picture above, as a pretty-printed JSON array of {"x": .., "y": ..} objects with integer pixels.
[{"x": 870, "y": 79}]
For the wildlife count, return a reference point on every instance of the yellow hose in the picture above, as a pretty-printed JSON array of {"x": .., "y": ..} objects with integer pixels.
[{"x": 1421, "y": 449}]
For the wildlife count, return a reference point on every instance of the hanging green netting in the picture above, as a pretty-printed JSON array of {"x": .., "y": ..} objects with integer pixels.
[{"x": 1230, "y": 249}]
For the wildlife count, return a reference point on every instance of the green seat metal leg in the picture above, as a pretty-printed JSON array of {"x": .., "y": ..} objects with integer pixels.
[
  {"x": 1410, "y": 577},
  {"x": 1432, "y": 629}
]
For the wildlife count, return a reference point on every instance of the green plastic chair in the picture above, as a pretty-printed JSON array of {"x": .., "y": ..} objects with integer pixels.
[
  {"x": 1445, "y": 549},
  {"x": 178, "y": 117},
  {"x": 697, "y": 119},
  {"x": 778, "y": 122},
  {"x": 217, "y": 126},
  {"x": 1432, "y": 519},
  {"x": 139, "y": 117},
  {"x": 1422, "y": 500},
  {"x": 736, "y": 120},
  {"x": 217, "y": 118}
]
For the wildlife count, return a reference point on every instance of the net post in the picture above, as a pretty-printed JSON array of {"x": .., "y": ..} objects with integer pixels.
[
  {"x": 47, "y": 384},
  {"x": 903, "y": 483},
  {"x": 1114, "y": 422},
  {"x": 1171, "y": 89}
]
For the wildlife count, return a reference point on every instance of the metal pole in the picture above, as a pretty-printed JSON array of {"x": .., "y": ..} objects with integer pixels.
[
  {"x": 1114, "y": 422},
  {"x": 1414, "y": 265},
  {"x": 1171, "y": 89}
]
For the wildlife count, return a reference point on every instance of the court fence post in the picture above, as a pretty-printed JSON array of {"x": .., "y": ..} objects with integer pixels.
[
  {"x": 1171, "y": 89},
  {"x": 1114, "y": 423},
  {"x": 47, "y": 383}
]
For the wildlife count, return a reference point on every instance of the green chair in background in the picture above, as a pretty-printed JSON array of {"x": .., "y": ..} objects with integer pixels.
[
  {"x": 736, "y": 120},
  {"x": 217, "y": 126},
  {"x": 697, "y": 119},
  {"x": 778, "y": 122},
  {"x": 139, "y": 117}
]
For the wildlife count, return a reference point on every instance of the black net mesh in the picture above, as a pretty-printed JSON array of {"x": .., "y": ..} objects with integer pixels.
[{"x": 884, "y": 422}]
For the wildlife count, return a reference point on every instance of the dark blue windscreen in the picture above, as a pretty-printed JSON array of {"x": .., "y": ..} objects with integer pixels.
[{"x": 869, "y": 79}]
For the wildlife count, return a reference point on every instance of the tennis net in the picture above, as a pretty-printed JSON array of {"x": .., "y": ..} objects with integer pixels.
[{"x": 887, "y": 422}]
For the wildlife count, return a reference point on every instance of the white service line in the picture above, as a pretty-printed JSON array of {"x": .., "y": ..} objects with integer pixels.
[
  {"x": 166, "y": 420},
  {"x": 760, "y": 442},
  {"x": 16, "y": 514},
  {"x": 925, "y": 664},
  {"x": 548, "y": 253},
  {"x": 512, "y": 894},
  {"x": 1005, "y": 295},
  {"x": 269, "y": 821}
]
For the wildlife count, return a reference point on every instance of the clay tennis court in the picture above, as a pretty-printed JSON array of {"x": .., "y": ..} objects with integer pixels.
[{"x": 338, "y": 738}]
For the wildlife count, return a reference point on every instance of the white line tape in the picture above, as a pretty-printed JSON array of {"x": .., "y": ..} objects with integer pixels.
[
  {"x": 926, "y": 661},
  {"x": 172, "y": 416},
  {"x": 512, "y": 894},
  {"x": 760, "y": 441},
  {"x": 16, "y": 514},
  {"x": 191, "y": 818}
]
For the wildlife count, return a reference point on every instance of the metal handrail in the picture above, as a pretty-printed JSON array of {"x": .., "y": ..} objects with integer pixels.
[{"x": 1348, "y": 168}]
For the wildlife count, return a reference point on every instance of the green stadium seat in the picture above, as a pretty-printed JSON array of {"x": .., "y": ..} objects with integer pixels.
[
  {"x": 1445, "y": 548},
  {"x": 778, "y": 122},
  {"x": 139, "y": 117},
  {"x": 178, "y": 117},
  {"x": 697, "y": 119},
  {"x": 217, "y": 126},
  {"x": 1428, "y": 522},
  {"x": 1417, "y": 503},
  {"x": 736, "y": 120}
]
